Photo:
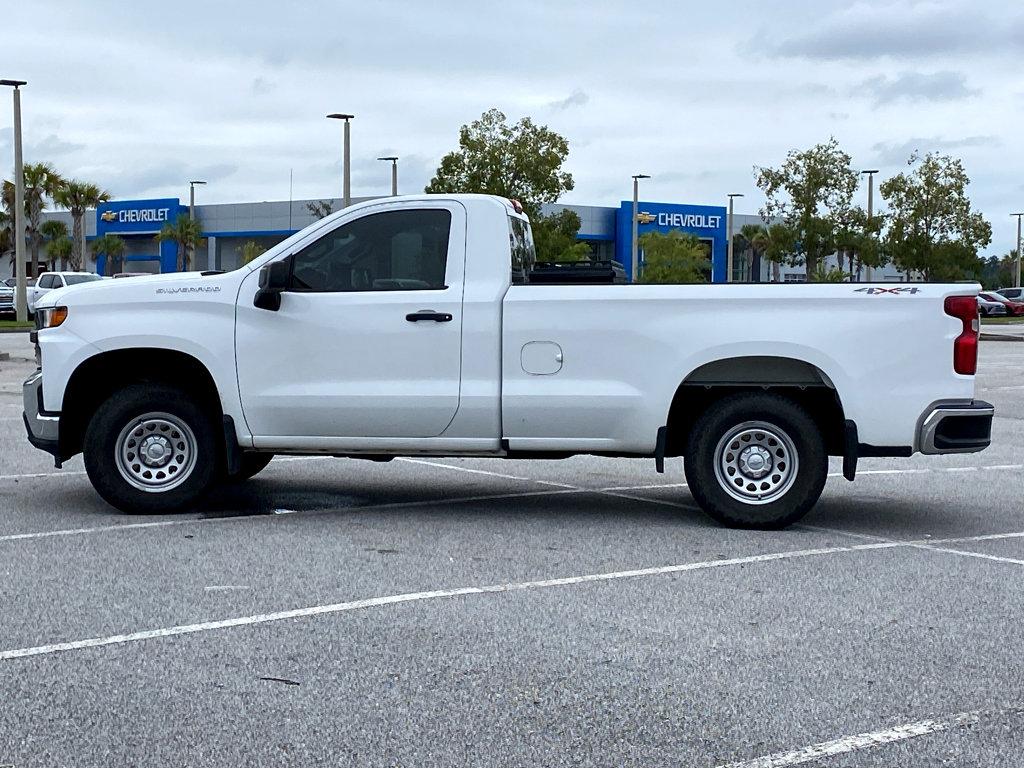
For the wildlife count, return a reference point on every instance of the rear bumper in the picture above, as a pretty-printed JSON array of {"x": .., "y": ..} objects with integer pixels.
[
  {"x": 956, "y": 428},
  {"x": 43, "y": 427}
]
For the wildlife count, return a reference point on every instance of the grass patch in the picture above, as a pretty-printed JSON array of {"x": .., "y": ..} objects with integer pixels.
[
  {"x": 27, "y": 325},
  {"x": 1002, "y": 321}
]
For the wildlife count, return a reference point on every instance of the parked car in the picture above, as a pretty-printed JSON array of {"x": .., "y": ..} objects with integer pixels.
[
  {"x": 49, "y": 281},
  {"x": 409, "y": 326},
  {"x": 989, "y": 308},
  {"x": 131, "y": 274},
  {"x": 1013, "y": 307},
  {"x": 6, "y": 299},
  {"x": 1016, "y": 294}
]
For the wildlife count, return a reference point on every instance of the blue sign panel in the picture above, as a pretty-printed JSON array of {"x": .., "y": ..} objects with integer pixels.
[
  {"x": 140, "y": 218},
  {"x": 706, "y": 222}
]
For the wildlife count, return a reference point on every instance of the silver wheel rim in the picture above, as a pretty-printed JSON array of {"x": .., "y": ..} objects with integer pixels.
[
  {"x": 756, "y": 463},
  {"x": 155, "y": 452}
]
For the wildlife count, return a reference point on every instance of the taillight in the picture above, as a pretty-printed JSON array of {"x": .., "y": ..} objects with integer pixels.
[{"x": 965, "y": 346}]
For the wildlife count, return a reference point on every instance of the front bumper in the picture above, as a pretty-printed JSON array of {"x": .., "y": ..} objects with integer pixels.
[
  {"x": 43, "y": 427},
  {"x": 956, "y": 428}
]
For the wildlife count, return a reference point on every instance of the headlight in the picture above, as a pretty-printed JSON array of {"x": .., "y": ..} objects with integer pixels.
[{"x": 50, "y": 317}]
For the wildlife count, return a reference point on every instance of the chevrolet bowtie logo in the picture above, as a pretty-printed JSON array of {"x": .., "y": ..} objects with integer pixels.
[
  {"x": 108, "y": 216},
  {"x": 645, "y": 218}
]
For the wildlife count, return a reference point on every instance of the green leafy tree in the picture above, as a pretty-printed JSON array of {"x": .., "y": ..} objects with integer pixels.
[
  {"x": 554, "y": 237},
  {"x": 810, "y": 191},
  {"x": 825, "y": 274},
  {"x": 521, "y": 161},
  {"x": 320, "y": 208},
  {"x": 250, "y": 250},
  {"x": 53, "y": 230},
  {"x": 674, "y": 257},
  {"x": 187, "y": 234},
  {"x": 113, "y": 247},
  {"x": 998, "y": 271},
  {"x": 932, "y": 228},
  {"x": 857, "y": 239},
  {"x": 77, "y": 197}
]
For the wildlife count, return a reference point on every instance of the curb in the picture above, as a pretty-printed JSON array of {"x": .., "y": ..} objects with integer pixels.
[
  {"x": 14, "y": 330},
  {"x": 1000, "y": 337}
]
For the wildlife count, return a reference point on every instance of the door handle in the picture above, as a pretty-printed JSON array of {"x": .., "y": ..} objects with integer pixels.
[{"x": 437, "y": 317}]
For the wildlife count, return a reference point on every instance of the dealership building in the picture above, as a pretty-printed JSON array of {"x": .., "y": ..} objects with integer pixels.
[{"x": 227, "y": 227}]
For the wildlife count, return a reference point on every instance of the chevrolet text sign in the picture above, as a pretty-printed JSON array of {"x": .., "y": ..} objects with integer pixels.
[
  {"x": 706, "y": 222},
  {"x": 689, "y": 221},
  {"x": 136, "y": 216}
]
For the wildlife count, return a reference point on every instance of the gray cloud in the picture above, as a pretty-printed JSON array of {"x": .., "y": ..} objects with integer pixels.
[
  {"x": 577, "y": 98},
  {"x": 903, "y": 31},
  {"x": 163, "y": 176},
  {"x": 42, "y": 149},
  {"x": 896, "y": 153},
  {"x": 916, "y": 86}
]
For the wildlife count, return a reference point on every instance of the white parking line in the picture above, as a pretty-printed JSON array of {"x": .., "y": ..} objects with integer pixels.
[
  {"x": 475, "y": 471},
  {"x": 861, "y": 741},
  {"x": 280, "y": 512},
  {"x": 934, "y": 544},
  {"x": 336, "y": 608},
  {"x": 19, "y": 476}
]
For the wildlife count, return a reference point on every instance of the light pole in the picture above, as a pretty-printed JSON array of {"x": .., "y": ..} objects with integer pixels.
[
  {"x": 20, "y": 304},
  {"x": 635, "y": 261},
  {"x": 346, "y": 197},
  {"x": 1016, "y": 263},
  {"x": 871, "y": 200},
  {"x": 192, "y": 198},
  {"x": 394, "y": 173},
  {"x": 728, "y": 260}
]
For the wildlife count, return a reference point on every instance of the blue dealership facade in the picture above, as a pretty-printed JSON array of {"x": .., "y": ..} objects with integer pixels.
[{"x": 227, "y": 227}]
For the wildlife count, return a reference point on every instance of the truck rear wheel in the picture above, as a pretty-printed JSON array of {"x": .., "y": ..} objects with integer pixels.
[
  {"x": 150, "y": 449},
  {"x": 756, "y": 461}
]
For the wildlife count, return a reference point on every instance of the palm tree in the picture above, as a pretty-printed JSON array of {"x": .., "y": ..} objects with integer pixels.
[
  {"x": 112, "y": 246},
  {"x": 251, "y": 250},
  {"x": 6, "y": 236},
  {"x": 187, "y": 233},
  {"x": 77, "y": 197},
  {"x": 755, "y": 236},
  {"x": 53, "y": 230},
  {"x": 59, "y": 248},
  {"x": 41, "y": 181}
]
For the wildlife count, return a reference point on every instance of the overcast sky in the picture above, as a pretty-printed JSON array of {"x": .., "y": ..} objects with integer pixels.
[{"x": 139, "y": 97}]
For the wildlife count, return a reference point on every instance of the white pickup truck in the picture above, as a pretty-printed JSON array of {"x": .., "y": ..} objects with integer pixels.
[{"x": 411, "y": 327}]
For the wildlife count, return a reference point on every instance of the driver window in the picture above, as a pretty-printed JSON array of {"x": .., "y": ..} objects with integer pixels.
[{"x": 390, "y": 251}]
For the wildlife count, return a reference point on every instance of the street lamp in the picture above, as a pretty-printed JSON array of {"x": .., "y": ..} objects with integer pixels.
[
  {"x": 192, "y": 197},
  {"x": 1016, "y": 263},
  {"x": 346, "y": 198},
  {"x": 19, "y": 206},
  {"x": 728, "y": 261},
  {"x": 394, "y": 173},
  {"x": 635, "y": 261},
  {"x": 871, "y": 200}
]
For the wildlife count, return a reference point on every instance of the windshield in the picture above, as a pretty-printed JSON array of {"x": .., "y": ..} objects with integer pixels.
[{"x": 73, "y": 279}]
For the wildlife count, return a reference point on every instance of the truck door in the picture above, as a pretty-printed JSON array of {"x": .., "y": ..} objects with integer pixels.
[{"x": 368, "y": 338}]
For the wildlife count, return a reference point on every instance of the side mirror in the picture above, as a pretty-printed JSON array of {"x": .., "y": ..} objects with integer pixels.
[{"x": 273, "y": 281}]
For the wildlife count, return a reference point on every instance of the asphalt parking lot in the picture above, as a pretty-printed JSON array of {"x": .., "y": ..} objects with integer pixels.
[{"x": 487, "y": 612}]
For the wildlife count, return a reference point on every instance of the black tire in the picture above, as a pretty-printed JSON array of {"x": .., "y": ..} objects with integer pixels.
[
  {"x": 110, "y": 460},
  {"x": 735, "y": 440},
  {"x": 252, "y": 464}
]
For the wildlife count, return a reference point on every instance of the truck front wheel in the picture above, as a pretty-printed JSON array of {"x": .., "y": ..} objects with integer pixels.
[
  {"x": 756, "y": 461},
  {"x": 150, "y": 449}
]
